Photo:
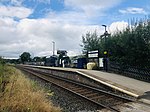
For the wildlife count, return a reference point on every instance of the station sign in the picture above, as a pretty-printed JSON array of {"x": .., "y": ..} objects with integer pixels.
[{"x": 93, "y": 54}]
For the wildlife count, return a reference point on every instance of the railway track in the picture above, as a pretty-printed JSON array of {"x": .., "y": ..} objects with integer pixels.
[{"x": 99, "y": 97}]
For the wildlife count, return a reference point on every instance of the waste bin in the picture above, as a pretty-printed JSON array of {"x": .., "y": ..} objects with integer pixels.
[{"x": 81, "y": 63}]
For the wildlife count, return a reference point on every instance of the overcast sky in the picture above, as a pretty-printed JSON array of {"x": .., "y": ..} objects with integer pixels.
[{"x": 32, "y": 25}]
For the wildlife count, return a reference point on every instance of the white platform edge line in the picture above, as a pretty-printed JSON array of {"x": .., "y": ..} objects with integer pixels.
[{"x": 117, "y": 88}]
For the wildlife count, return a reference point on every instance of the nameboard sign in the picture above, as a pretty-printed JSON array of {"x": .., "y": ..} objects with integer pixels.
[{"x": 93, "y": 54}]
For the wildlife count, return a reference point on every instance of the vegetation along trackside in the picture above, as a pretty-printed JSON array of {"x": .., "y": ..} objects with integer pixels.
[{"x": 17, "y": 93}]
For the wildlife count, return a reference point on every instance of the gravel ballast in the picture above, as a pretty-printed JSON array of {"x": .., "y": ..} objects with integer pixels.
[{"x": 63, "y": 98}]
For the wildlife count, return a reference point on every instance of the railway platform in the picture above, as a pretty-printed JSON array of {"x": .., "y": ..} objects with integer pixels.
[{"x": 133, "y": 87}]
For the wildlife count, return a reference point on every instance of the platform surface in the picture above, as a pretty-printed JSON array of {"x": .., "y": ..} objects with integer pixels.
[{"x": 130, "y": 85}]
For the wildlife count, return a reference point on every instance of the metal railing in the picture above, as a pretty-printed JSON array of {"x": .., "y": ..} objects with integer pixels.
[{"x": 130, "y": 71}]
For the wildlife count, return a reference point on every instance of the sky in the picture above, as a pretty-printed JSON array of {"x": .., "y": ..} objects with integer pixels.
[{"x": 33, "y": 25}]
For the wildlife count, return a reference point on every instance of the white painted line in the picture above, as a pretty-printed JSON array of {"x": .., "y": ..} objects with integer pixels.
[{"x": 105, "y": 83}]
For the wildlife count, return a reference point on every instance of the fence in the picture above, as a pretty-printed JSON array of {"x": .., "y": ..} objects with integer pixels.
[{"x": 130, "y": 71}]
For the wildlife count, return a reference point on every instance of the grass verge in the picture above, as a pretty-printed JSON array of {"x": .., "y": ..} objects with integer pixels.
[{"x": 18, "y": 94}]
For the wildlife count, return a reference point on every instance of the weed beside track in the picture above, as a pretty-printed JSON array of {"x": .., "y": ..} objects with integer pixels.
[{"x": 19, "y": 94}]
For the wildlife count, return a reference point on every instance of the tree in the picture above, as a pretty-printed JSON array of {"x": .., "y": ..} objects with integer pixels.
[
  {"x": 90, "y": 41},
  {"x": 128, "y": 47},
  {"x": 132, "y": 46},
  {"x": 25, "y": 57},
  {"x": 37, "y": 59},
  {"x": 2, "y": 61}
]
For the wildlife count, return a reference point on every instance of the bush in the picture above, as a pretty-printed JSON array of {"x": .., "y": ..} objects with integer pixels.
[{"x": 131, "y": 46}]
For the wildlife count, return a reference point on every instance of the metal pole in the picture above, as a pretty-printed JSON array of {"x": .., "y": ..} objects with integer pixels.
[
  {"x": 105, "y": 55},
  {"x": 53, "y": 47},
  {"x": 105, "y": 35}
]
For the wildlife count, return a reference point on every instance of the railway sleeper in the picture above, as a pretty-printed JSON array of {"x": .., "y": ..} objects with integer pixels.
[
  {"x": 77, "y": 89},
  {"x": 103, "y": 98},
  {"x": 98, "y": 97},
  {"x": 110, "y": 100},
  {"x": 72, "y": 87},
  {"x": 112, "y": 103},
  {"x": 116, "y": 103},
  {"x": 91, "y": 95},
  {"x": 80, "y": 91},
  {"x": 86, "y": 92}
]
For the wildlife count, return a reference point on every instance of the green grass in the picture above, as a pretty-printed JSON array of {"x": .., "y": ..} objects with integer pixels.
[{"x": 19, "y": 94}]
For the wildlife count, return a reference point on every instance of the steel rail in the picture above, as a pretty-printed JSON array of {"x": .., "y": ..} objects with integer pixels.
[
  {"x": 87, "y": 86},
  {"x": 47, "y": 75}
]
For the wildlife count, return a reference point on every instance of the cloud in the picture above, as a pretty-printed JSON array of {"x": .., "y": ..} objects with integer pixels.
[
  {"x": 133, "y": 10},
  {"x": 16, "y": 2},
  {"x": 19, "y": 2},
  {"x": 36, "y": 36},
  {"x": 117, "y": 26},
  {"x": 82, "y": 11},
  {"x": 43, "y": 1},
  {"x": 11, "y": 11},
  {"x": 91, "y": 7},
  {"x": 99, "y": 4},
  {"x": 68, "y": 17}
]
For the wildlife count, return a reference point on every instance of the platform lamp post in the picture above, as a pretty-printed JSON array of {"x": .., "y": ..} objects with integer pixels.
[
  {"x": 105, "y": 60},
  {"x": 105, "y": 33},
  {"x": 53, "y": 47}
]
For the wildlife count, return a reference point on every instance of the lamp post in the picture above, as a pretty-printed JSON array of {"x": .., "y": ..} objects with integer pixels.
[
  {"x": 53, "y": 47},
  {"x": 105, "y": 33},
  {"x": 105, "y": 59},
  {"x": 105, "y": 27}
]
